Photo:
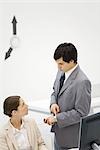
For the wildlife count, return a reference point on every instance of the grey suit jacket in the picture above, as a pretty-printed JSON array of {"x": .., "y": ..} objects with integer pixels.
[{"x": 74, "y": 101}]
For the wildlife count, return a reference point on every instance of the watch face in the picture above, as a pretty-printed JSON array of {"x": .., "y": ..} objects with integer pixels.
[{"x": 14, "y": 42}]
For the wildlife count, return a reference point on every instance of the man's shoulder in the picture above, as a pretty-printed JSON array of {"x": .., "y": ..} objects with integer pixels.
[
  {"x": 82, "y": 75},
  {"x": 82, "y": 79}
]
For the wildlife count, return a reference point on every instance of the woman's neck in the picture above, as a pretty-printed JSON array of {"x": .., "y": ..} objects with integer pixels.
[{"x": 16, "y": 122}]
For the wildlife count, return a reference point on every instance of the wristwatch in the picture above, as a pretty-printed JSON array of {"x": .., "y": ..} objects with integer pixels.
[{"x": 55, "y": 119}]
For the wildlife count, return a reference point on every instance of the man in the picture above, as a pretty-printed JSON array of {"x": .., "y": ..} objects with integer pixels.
[{"x": 70, "y": 100}]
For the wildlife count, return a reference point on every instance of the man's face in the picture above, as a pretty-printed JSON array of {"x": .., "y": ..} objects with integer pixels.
[{"x": 64, "y": 66}]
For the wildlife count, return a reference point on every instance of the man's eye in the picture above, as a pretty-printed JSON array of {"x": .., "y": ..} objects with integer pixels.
[{"x": 23, "y": 104}]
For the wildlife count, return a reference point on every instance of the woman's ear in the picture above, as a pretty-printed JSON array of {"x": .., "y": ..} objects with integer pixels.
[{"x": 13, "y": 113}]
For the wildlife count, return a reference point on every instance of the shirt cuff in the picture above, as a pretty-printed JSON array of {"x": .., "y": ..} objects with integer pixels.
[{"x": 55, "y": 119}]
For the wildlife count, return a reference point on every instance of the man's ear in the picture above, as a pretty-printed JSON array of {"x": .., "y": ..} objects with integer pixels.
[{"x": 71, "y": 61}]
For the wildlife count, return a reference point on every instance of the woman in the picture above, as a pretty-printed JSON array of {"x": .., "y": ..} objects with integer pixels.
[{"x": 19, "y": 133}]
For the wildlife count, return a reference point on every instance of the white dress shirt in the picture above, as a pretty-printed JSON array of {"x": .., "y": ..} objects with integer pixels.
[
  {"x": 68, "y": 73},
  {"x": 21, "y": 137}
]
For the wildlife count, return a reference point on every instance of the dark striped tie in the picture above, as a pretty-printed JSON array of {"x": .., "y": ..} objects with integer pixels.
[{"x": 61, "y": 81}]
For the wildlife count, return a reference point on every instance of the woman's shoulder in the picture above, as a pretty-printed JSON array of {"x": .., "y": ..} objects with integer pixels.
[
  {"x": 30, "y": 121},
  {"x": 3, "y": 128}
]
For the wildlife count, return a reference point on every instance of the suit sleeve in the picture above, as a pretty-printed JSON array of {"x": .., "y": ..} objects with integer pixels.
[
  {"x": 81, "y": 107},
  {"x": 55, "y": 88},
  {"x": 53, "y": 99}
]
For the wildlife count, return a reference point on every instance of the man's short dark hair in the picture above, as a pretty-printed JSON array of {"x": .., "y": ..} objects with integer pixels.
[
  {"x": 67, "y": 51},
  {"x": 11, "y": 103}
]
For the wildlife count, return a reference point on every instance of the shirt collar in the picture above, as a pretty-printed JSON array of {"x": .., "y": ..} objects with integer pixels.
[
  {"x": 67, "y": 74},
  {"x": 15, "y": 130}
]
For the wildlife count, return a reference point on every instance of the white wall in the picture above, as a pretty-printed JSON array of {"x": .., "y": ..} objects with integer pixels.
[{"x": 41, "y": 27}]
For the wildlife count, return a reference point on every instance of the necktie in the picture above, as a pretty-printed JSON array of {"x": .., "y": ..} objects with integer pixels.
[{"x": 61, "y": 81}]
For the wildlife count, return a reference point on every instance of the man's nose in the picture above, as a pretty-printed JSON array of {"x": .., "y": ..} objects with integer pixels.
[{"x": 59, "y": 67}]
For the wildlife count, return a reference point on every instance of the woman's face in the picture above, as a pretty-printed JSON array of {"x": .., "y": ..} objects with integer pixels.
[{"x": 22, "y": 108}]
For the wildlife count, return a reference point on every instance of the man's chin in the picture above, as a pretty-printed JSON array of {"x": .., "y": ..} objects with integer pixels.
[{"x": 26, "y": 113}]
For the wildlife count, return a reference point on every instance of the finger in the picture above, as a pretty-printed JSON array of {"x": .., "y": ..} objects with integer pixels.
[
  {"x": 45, "y": 120},
  {"x": 48, "y": 122},
  {"x": 55, "y": 112},
  {"x": 57, "y": 109}
]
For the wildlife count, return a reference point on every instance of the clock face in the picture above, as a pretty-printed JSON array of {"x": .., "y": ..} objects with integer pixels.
[{"x": 14, "y": 42}]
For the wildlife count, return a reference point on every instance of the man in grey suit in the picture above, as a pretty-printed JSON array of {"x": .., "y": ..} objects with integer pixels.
[{"x": 70, "y": 100}]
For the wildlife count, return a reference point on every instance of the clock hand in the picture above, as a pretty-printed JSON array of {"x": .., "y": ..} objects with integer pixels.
[
  {"x": 14, "y": 21},
  {"x": 8, "y": 53}
]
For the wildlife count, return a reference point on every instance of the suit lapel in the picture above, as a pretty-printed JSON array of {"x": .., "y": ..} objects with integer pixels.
[
  {"x": 65, "y": 86},
  {"x": 11, "y": 137},
  {"x": 69, "y": 80},
  {"x": 28, "y": 132},
  {"x": 57, "y": 82}
]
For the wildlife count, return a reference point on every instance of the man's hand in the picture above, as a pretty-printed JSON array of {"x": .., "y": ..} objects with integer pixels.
[
  {"x": 49, "y": 120},
  {"x": 55, "y": 109}
]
